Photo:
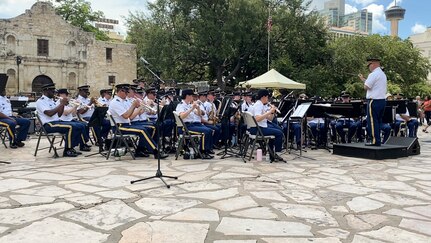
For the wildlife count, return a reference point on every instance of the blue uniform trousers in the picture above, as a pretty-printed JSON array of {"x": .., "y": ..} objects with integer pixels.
[
  {"x": 216, "y": 132},
  {"x": 350, "y": 124},
  {"x": 412, "y": 126},
  {"x": 277, "y": 142},
  {"x": 101, "y": 131},
  {"x": 295, "y": 128},
  {"x": 375, "y": 111},
  {"x": 151, "y": 127},
  {"x": 321, "y": 134},
  {"x": 199, "y": 128},
  {"x": 145, "y": 140},
  {"x": 85, "y": 135},
  {"x": 10, "y": 125},
  {"x": 72, "y": 131}
]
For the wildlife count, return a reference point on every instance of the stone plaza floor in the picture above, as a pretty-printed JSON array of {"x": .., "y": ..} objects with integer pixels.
[{"x": 317, "y": 198}]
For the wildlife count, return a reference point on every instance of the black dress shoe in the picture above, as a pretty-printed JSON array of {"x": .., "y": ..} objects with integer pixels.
[
  {"x": 162, "y": 155},
  {"x": 20, "y": 144},
  {"x": 141, "y": 154},
  {"x": 210, "y": 152},
  {"x": 216, "y": 146},
  {"x": 372, "y": 144},
  {"x": 279, "y": 158},
  {"x": 207, "y": 156},
  {"x": 76, "y": 152},
  {"x": 85, "y": 149},
  {"x": 70, "y": 153},
  {"x": 13, "y": 146}
]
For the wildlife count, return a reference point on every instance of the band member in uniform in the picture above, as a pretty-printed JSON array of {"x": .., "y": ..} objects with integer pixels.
[
  {"x": 121, "y": 111},
  {"x": 207, "y": 108},
  {"x": 411, "y": 123},
  {"x": 69, "y": 115},
  {"x": 10, "y": 122},
  {"x": 248, "y": 102},
  {"x": 345, "y": 122},
  {"x": 86, "y": 110},
  {"x": 49, "y": 114},
  {"x": 376, "y": 86},
  {"x": 105, "y": 97},
  {"x": 263, "y": 115},
  {"x": 139, "y": 117},
  {"x": 191, "y": 114}
]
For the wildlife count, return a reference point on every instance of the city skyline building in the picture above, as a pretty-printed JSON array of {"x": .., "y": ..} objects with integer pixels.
[{"x": 394, "y": 15}]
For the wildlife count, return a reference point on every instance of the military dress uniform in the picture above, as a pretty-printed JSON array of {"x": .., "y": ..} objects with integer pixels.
[
  {"x": 117, "y": 108},
  {"x": 52, "y": 124},
  {"x": 208, "y": 107},
  {"x": 195, "y": 126},
  {"x": 16, "y": 137}
]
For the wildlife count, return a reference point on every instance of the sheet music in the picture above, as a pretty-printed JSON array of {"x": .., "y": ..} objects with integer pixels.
[{"x": 301, "y": 110}]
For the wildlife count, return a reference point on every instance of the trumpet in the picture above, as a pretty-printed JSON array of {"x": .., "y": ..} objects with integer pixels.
[
  {"x": 144, "y": 106},
  {"x": 71, "y": 101}
]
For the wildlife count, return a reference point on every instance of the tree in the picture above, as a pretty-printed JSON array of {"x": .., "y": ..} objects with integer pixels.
[
  {"x": 225, "y": 40},
  {"x": 405, "y": 67},
  {"x": 80, "y": 14}
]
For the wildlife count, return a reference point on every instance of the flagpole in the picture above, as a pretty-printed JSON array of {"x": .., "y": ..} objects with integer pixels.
[{"x": 269, "y": 26}]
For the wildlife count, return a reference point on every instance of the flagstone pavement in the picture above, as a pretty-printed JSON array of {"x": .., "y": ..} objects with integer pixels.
[{"x": 316, "y": 198}]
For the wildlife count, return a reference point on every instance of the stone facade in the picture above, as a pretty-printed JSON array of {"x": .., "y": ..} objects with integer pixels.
[
  {"x": 51, "y": 49},
  {"x": 422, "y": 41}
]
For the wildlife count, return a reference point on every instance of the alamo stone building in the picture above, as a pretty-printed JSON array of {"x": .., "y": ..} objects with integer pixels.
[{"x": 39, "y": 47}]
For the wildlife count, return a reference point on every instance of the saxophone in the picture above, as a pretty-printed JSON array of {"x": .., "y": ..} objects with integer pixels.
[{"x": 212, "y": 116}]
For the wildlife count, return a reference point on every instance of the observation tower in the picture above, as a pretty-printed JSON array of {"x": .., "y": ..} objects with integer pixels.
[{"x": 395, "y": 14}]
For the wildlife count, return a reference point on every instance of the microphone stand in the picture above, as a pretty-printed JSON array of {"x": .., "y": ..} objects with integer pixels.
[{"x": 159, "y": 173}]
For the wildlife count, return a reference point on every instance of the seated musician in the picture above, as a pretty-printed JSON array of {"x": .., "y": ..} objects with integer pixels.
[
  {"x": 411, "y": 123},
  {"x": 345, "y": 122},
  {"x": 208, "y": 117},
  {"x": 263, "y": 114},
  {"x": 69, "y": 115},
  {"x": 191, "y": 113},
  {"x": 139, "y": 117},
  {"x": 86, "y": 110},
  {"x": 318, "y": 129},
  {"x": 248, "y": 102},
  {"x": 105, "y": 97},
  {"x": 122, "y": 111},
  {"x": 7, "y": 120},
  {"x": 50, "y": 113},
  {"x": 167, "y": 125}
]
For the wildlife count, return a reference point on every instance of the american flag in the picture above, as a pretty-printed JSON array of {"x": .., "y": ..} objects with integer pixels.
[{"x": 269, "y": 24}]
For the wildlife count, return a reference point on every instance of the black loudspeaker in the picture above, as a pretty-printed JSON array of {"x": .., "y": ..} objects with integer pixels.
[{"x": 412, "y": 144}]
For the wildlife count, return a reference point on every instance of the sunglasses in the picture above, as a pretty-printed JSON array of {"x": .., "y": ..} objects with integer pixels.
[{"x": 369, "y": 64}]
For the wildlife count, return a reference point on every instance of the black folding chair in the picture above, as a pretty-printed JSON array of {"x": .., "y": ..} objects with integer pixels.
[
  {"x": 185, "y": 136},
  {"x": 120, "y": 139},
  {"x": 251, "y": 122},
  {"x": 49, "y": 136}
]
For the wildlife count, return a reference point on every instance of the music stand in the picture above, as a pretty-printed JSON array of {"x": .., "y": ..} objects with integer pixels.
[
  {"x": 96, "y": 119},
  {"x": 159, "y": 173},
  {"x": 298, "y": 114},
  {"x": 226, "y": 112}
]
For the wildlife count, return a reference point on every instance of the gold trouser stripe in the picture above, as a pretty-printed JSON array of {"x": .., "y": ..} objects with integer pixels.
[
  {"x": 82, "y": 137},
  {"x": 141, "y": 132},
  {"x": 8, "y": 130},
  {"x": 94, "y": 133},
  {"x": 153, "y": 128},
  {"x": 373, "y": 135},
  {"x": 203, "y": 137},
  {"x": 69, "y": 134}
]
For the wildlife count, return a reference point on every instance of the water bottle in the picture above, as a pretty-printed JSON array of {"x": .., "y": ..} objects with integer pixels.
[
  {"x": 192, "y": 153},
  {"x": 259, "y": 154},
  {"x": 267, "y": 157}
]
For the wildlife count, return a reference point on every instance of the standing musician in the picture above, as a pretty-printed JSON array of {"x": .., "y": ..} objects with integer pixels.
[
  {"x": 49, "y": 114},
  {"x": 263, "y": 114},
  {"x": 105, "y": 97},
  {"x": 208, "y": 109},
  {"x": 86, "y": 110},
  {"x": 376, "y": 86},
  {"x": 191, "y": 114},
  {"x": 121, "y": 111},
  {"x": 69, "y": 115},
  {"x": 10, "y": 122}
]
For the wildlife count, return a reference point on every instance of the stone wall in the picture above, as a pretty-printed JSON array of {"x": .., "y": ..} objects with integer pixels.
[{"x": 74, "y": 56}]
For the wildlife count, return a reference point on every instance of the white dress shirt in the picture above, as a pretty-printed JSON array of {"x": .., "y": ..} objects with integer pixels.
[{"x": 43, "y": 104}]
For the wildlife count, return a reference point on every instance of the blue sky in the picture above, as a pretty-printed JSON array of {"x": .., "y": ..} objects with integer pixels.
[{"x": 416, "y": 19}]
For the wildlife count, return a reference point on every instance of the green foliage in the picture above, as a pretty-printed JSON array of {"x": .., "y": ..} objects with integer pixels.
[
  {"x": 226, "y": 39},
  {"x": 80, "y": 14},
  {"x": 404, "y": 65}
]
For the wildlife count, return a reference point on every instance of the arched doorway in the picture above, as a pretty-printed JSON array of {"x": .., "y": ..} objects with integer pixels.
[{"x": 38, "y": 82}]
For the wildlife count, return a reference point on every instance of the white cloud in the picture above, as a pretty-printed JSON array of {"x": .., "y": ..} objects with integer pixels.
[
  {"x": 378, "y": 17},
  {"x": 364, "y": 2},
  {"x": 418, "y": 28},
  {"x": 348, "y": 9}
]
